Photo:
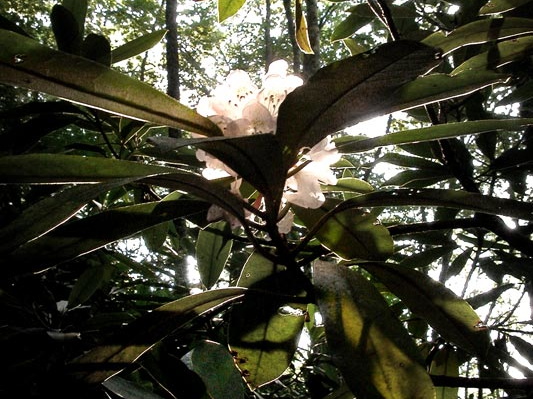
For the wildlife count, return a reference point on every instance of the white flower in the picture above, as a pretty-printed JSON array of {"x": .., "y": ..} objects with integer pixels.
[{"x": 240, "y": 108}]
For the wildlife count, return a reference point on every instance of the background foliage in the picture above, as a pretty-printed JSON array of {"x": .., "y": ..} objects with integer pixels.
[{"x": 413, "y": 279}]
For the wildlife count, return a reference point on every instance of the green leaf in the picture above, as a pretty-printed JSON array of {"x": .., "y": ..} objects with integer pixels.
[
  {"x": 213, "y": 247},
  {"x": 349, "y": 184},
  {"x": 480, "y": 31},
  {"x": 417, "y": 178},
  {"x": 336, "y": 97},
  {"x": 215, "y": 365},
  {"x": 97, "y": 48},
  {"x": 302, "y": 35},
  {"x": 137, "y": 46},
  {"x": 373, "y": 351},
  {"x": 459, "y": 263},
  {"x": 445, "y": 363},
  {"x": 85, "y": 235},
  {"x": 60, "y": 169},
  {"x": 264, "y": 330},
  {"x": 78, "y": 9},
  {"x": 452, "y": 317},
  {"x": 425, "y": 258},
  {"x": 437, "y": 132},
  {"x": 349, "y": 25},
  {"x": 49, "y": 213},
  {"x": 523, "y": 347},
  {"x": 502, "y": 53},
  {"x": 155, "y": 236},
  {"x": 26, "y": 63},
  {"x": 484, "y": 298},
  {"x": 228, "y": 8},
  {"x": 500, "y": 6},
  {"x": 68, "y": 33},
  {"x": 106, "y": 360},
  {"x": 128, "y": 389},
  {"x": 444, "y": 198},
  {"x": 351, "y": 234},
  {"x": 88, "y": 283},
  {"x": 257, "y": 158}
]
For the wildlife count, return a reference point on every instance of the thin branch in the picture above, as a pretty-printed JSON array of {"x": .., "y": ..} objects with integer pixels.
[{"x": 489, "y": 383}]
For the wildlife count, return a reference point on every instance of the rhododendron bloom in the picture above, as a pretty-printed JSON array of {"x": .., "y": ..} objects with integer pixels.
[{"x": 240, "y": 108}]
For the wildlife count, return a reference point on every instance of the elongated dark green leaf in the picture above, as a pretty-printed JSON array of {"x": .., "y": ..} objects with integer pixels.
[
  {"x": 417, "y": 178},
  {"x": 213, "y": 247},
  {"x": 82, "y": 236},
  {"x": 437, "y": 132},
  {"x": 349, "y": 25},
  {"x": 425, "y": 258},
  {"x": 97, "y": 48},
  {"x": 350, "y": 91},
  {"x": 349, "y": 184},
  {"x": 78, "y": 8},
  {"x": 445, "y": 198},
  {"x": 373, "y": 351},
  {"x": 228, "y": 8},
  {"x": 106, "y": 360},
  {"x": 49, "y": 213},
  {"x": 67, "y": 32},
  {"x": 410, "y": 162},
  {"x": 128, "y": 389},
  {"x": 155, "y": 236},
  {"x": 523, "y": 347},
  {"x": 264, "y": 331},
  {"x": 480, "y": 31},
  {"x": 354, "y": 234},
  {"x": 499, "y": 6},
  {"x": 88, "y": 283},
  {"x": 215, "y": 365},
  {"x": 60, "y": 169},
  {"x": 26, "y": 63},
  {"x": 137, "y": 46},
  {"x": 452, "y": 317},
  {"x": 257, "y": 158},
  {"x": 503, "y": 53},
  {"x": 482, "y": 299}
]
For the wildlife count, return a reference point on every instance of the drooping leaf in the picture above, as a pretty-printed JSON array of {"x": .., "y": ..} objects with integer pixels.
[
  {"x": 26, "y": 63},
  {"x": 353, "y": 234},
  {"x": 436, "y": 132},
  {"x": 106, "y": 360},
  {"x": 228, "y": 8},
  {"x": 264, "y": 330},
  {"x": 425, "y": 258},
  {"x": 500, "y": 6},
  {"x": 84, "y": 235},
  {"x": 257, "y": 158},
  {"x": 459, "y": 263},
  {"x": 373, "y": 351},
  {"x": 480, "y": 31},
  {"x": 215, "y": 365},
  {"x": 155, "y": 236},
  {"x": 502, "y": 53},
  {"x": 213, "y": 247},
  {"x": 349, "y": 184},
  {"x": 452, "y": 317},
  {"x": 353, "y": 22},
  {"x": 302, "y": 35},
  {"x": 137, "y": 46},
  {"x": 523, "y": 347},
  {"x": 349, "y": 91}
]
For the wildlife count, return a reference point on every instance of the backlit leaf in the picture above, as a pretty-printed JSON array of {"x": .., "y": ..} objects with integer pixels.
[
  {"x": 480, "y": 31},
  {"x": 106, "y": 360},
  {"x": 264, "y": 330},
  {"x": 373, "y": 351},
  {"x": 137, "y": 46},
  {"x": 26, "y": 63},
  {"x": 349, "y": 91},
  {"x": 302, "y": 35},
  {"x": 228, "y": 8},
  {"x": 445, "y": 362},
  {"x": 352, "y": 234},
  {"x": 452, "y": 317},
  {"x": 213, "y": 247},
  {"x": 499, "y": 6}
]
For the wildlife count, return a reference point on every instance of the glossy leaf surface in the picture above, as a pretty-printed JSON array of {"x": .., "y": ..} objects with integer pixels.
[
  {"x": 26, "y": 63},
  {"x": 373, "y": 351},
  {"x": 452, "y": 317}
]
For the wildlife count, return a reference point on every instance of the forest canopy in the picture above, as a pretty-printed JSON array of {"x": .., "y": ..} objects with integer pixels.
[{"x": 258, "y": 199}]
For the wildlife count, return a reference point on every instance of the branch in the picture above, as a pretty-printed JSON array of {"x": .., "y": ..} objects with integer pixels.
[{"x": 489, "y": 383}]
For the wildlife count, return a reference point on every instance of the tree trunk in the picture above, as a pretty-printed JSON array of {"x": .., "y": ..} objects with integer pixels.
[
  {"x": 311, "y": 62},
  {"x": 172, "y": 55},
  {"x": 291, "y": 27}
]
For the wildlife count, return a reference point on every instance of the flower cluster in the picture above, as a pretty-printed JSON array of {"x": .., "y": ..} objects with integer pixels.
[{"x": 240, "y": 108}]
